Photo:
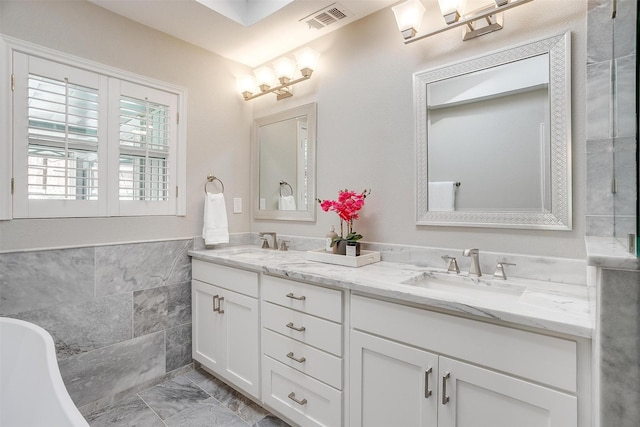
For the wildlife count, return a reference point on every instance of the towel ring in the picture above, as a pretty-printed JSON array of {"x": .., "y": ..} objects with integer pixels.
[
  {"x": 282, "y": 184},
  {"x": 211, "y": 178}
]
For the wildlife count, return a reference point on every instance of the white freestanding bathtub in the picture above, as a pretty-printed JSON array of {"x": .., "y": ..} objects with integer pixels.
[{"x": 31, "y": 389}]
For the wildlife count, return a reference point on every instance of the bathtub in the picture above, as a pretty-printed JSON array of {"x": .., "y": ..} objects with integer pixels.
[{"x": 31, "y": 389}]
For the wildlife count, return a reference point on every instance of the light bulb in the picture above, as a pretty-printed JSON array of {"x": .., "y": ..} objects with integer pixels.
[
  {"x": 450, "y": 10},
  {"x": 246, "y": 84},
  {"x": 285, "y": 69},
  {"x": 307, "y": 58},
  {"x": 409, "y": 17},
  {"x": 265, "y": 76}
]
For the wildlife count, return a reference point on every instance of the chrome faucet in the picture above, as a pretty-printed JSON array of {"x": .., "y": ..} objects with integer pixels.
[
  {"x": 474, "y": 268},
  {"x": 265, "y": 244}
]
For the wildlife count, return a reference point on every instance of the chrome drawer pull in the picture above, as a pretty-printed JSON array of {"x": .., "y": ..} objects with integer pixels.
[
  {"x": 292, "y": 357},
  {"x": 216, "y": 309},
  {"x": 427, "y": 391},
  {"x": 292, "y": 396},
  {"x": 295, "y": 328},
  {"x": 220, "y": 310},
  {"x": 445, "y": 398},
  {"x": 301, "y": 298}
]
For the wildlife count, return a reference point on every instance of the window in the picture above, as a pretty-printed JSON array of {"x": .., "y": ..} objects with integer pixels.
[{"x": 91, "y": 143}]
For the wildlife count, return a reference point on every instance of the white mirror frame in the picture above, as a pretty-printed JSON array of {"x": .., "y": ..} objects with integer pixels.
[
  {"x": 559, "y": 217},
  {"x": 309, "y": 110}
]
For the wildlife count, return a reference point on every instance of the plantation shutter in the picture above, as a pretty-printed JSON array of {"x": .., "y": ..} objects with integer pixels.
[
  {"x": 60, "y": 144},
  {"x": 91, "y": 141},
  {"x": 147, "y": 132}
]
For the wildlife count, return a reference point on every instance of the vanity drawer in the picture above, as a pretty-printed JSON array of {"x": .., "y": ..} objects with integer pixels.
[
  {"x": 315, "y": 300},
  {"x": 235, "y": 279},
  {"x": 315, "y": 404},
  {"x": 301, "y": 357},
  {"x": 538, "y": 357},
  {"x": 311, "y": 330}
]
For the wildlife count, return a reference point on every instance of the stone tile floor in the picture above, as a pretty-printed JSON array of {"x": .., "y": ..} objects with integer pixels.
[{"x": 195, "y": 399}]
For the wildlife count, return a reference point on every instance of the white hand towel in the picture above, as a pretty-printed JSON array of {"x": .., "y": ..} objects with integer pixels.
[
  {"x": 442, "y": 196},
  {"x": 287, "y": 203},
  {"x": 215, "y": 229}
]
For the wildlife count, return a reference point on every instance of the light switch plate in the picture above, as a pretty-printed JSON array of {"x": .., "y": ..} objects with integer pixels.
[{"x": 237, "y": 205}]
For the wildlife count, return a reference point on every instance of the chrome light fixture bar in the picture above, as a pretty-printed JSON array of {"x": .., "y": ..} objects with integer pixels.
[
  {"x": 487, "y": 15},
  {"x": 283, "y": 74}
]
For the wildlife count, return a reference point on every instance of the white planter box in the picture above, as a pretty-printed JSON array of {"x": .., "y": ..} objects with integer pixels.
[{"x": 366, "y": 257}]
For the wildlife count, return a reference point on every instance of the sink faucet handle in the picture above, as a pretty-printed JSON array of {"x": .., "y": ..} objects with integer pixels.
[
  {"x": 265, "y": 243},
  {"x": 453, "y": 264},
  {"x": 500, "y": 273},
  {"x": 283, "y": 245}
]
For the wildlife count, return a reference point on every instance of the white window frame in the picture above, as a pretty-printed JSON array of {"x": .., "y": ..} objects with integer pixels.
[
  {"x": 112, "y": 80},
  {"x": 6, "y": 118}
]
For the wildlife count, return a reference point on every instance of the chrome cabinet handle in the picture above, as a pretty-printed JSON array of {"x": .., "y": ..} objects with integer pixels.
[
  {"x": 292, "y": 396},
  {"x": 445, "y": 398},
  {"x": 300, "y": 298},
  {"x": 218, "y": 308},
  {"x": 295, "y": 328},
  {"x": 292, "y": 357},
  {"x": 427, "y": 390}
]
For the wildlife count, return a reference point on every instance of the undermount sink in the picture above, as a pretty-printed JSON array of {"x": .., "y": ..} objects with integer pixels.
[
  {"x": 251, "y": 252},
  {"x": 241, "y": 250},
  {"x": 468, "y": 286}
]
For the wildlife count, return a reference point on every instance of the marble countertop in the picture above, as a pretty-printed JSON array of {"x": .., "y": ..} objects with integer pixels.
[
  {"x": 608, "y": 252},
  {"x": 554, "y": 307}
]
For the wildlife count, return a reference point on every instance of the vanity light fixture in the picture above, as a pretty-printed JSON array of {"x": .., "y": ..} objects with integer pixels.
[
  {"x": 478, "y": 22},
  {"x": 281, "y": 77}
]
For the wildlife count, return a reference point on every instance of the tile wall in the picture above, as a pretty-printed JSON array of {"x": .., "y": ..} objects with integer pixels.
[
  {"x": 619, "y": 342},
  {"x": 611, "y": 120},
  {"x": 120, "y": 315}
]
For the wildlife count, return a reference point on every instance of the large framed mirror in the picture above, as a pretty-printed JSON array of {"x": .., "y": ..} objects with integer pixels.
[
  {"x": 284, "y": 169},
  {"x": 493, "y": 139}
]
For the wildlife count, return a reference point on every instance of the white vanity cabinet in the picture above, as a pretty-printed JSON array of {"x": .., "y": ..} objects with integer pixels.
[
  {"x": 302, "y": 346},
  {"x": 410, "y": 366},
  {"x": 226, "y": 323}
]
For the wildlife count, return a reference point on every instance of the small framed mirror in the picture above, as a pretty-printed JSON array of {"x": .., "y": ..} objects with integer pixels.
[
  {"x": 284, "y": 169},
  {"x": 493, "y": 139}
]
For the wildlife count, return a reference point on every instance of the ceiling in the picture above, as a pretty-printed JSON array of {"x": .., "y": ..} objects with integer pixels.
[{"x": 275, "y": 26}]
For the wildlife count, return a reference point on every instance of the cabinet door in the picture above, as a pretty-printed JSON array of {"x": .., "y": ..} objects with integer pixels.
[
  {"x": 391, "y": 384},
  {"x": 207, "y": 325},
  {"x": 240, "y": 340},
  {"x": 475, "y": 397}
]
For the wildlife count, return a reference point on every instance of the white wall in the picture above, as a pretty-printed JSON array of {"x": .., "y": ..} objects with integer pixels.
[
  {"x": 363, "y": 88},
  {"x": 366, "y": 128},
  {"x": 218, "y": 122}
]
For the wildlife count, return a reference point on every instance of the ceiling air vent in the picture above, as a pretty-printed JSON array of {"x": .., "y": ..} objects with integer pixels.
[{"x": 326, "y": 16}]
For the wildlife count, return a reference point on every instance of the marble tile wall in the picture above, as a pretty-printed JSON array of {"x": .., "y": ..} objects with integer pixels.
[
  {"x": 611, "y": 120},
  {"x": 120, "y": 315},
  {"x": 619, "y": 341}
]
